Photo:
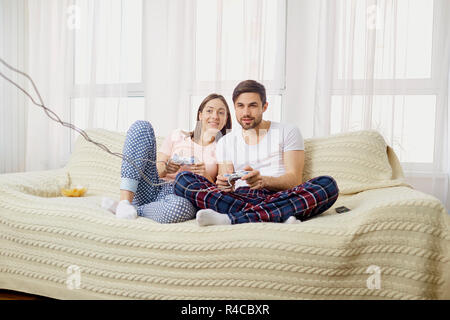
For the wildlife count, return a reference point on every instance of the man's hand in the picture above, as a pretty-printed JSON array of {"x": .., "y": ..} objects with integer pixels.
[
  {"x": 254, "y": 179},
  {"x": 222, "y": 183}
]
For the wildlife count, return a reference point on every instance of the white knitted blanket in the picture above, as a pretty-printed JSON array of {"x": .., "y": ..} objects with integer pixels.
[{"x": 392, "y": 244}]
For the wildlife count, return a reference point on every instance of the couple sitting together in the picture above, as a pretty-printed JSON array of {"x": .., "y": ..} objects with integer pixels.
[{"x": 271, "y": 153}]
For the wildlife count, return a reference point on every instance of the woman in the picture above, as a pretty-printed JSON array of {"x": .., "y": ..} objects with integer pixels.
[{"x": 158, "y": 202}]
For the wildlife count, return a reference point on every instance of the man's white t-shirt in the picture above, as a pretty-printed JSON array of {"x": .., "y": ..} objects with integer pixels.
[{"x": 266, "y": 156}]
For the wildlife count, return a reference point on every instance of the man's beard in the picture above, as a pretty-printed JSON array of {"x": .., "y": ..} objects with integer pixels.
[{"x": 251, "y": 125}]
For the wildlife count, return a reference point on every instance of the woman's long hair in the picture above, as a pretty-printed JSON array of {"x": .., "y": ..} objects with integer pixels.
[{"x": 196, "y": 134}]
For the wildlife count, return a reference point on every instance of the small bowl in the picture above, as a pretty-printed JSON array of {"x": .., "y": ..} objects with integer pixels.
[{"x": 77, "y": 191}]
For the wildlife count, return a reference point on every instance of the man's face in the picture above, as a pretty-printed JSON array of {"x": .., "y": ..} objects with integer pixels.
[{"x": 249, "y": 110}]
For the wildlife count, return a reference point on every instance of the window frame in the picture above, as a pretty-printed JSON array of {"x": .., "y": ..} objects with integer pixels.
[
  {"x": 203, "y": 88},
  {"x": 103, "y": 90},
  {"x": 409, "y": 87}
]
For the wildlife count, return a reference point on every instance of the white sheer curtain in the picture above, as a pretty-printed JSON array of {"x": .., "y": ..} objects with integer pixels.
[
  {"x": 35, "y": 40},
  {"x": 49, "y": 55},
  {"x": 107, "y": 83},
  {"x": 108, "y": 63},
  {"x": 13, "y": 111},
  {"x": 169, "y": 46},
  {"x": 195, "y": 47},
  {"x": 384, "y": 65},
  {"x": 85, "y": 58},
  {"x": 238, "y": 40}
]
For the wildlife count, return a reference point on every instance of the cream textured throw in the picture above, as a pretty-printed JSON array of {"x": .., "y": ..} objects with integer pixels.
[{"x": 393, "y": 244}]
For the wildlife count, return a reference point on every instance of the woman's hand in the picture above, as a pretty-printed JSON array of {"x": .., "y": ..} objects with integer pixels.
[
  {"x": 172, "y": 167},
  {"x": 198, "y": 168}
]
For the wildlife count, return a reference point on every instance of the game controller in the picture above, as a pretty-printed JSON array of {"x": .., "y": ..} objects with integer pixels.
[
  {"x": 182, "y": 161},
  {"x": 236, "y": 175}
]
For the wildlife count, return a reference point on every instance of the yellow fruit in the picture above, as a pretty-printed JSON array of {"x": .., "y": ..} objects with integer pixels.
[{"x": 74, "y": 192}]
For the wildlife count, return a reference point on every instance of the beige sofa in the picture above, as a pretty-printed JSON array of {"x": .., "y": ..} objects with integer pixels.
[{"x": 392, "y": 244}]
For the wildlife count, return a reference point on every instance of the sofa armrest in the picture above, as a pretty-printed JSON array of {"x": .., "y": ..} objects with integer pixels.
[{"x": 45, "y": 183}]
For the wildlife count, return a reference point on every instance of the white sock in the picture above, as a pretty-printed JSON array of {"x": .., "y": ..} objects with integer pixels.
[
  {"x": 109, "y": 204},
  {"x": 206, "y": 217},
  {"x": 292, "y": 220},
  {"x": 125, "y": 210}
]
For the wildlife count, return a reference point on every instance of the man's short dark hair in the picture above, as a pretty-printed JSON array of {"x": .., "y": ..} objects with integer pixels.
[{"x": 250, "y": 86}]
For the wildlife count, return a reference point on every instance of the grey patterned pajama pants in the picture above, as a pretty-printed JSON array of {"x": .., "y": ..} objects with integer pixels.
[{"x": 158, "y": 203}]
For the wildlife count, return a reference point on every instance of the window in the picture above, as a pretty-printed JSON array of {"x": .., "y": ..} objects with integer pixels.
[
  {"x": 400, "y": 118},
  {"x": 114, "y": 27},
  {"x": 109, "y": 112},
  {"x": 403, "y": 32},
  {"x": 234, "y": 40},
  {"x": 238, "y": 40},
  {"x": 393, "y": 44},
  {"x": 108, "y": 61}
]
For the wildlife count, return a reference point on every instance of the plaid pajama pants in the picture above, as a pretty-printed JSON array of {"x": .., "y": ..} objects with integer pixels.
[{"x": 245, "y": 205}]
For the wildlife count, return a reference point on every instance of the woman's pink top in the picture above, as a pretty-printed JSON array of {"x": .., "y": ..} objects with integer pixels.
[{"x": 181, "y": 144}]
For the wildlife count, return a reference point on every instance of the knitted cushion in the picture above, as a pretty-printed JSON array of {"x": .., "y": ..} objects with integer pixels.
[
  {"x": 95, "y": 168},
  {"x": 356, "y": 160}
]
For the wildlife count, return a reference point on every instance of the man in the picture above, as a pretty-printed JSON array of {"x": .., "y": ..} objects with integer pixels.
[{"x": 273, "y": 154}]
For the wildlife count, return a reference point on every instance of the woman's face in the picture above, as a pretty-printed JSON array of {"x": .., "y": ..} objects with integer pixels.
[{"x": 214, "y": 116}]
